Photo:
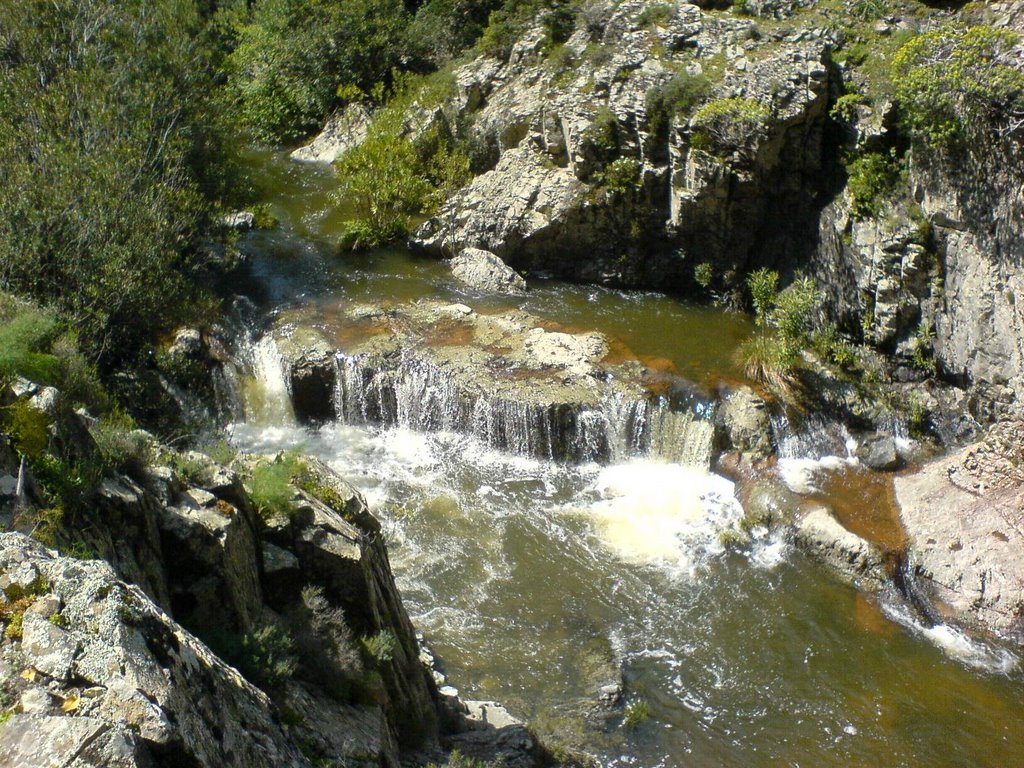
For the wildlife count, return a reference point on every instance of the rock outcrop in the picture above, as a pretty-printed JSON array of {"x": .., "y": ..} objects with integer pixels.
[
  {"x": 965, "y": 518},
  {"x": 586, "y": 166},
  {"x": 289, "y": 599},
  {"x": 114, "y": 680},
  {"x": 345, "y": 129},
  {"x": 486, "y": 272}
]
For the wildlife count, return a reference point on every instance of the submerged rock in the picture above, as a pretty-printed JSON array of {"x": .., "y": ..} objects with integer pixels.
[
  {"x": 819, "y": 533},
  {"x": 486, "y": 272}
]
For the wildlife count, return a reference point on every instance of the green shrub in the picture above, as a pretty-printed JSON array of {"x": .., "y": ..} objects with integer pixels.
[
  {"x": 794, "y": 310},
  {"x": 507, "y": 23},
  {"x": 873, "y": 177},
  {"x": 703, "y": 274},
  {"x": 728, "y": 126},
  {"x": 600, "y": 139},
  {"x": 26, "y": 336},
  {"x": 122, "y": 447},
  {"x": 676, "y": 98},
  {"x": 845, "y": 108},
  {"x": 291, "y": 56},
  {"x": 267, "y": 657},
  {"x": 957, "y": 82},
  {"x": 832, "y": 348},
  {"x": 656, "y": 15},
  {"x": 767, "y": 359},
  {"x": 636, "y": 712},
  {"x": 763, "y": 285},
  {"x": 622, "y": 176},
  {"x": 381, "y": 646},
  {"x": 114, "y": 153},
  {"x": 272, "y": 492}
]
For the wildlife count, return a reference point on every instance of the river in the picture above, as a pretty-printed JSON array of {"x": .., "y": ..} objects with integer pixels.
[{"x": 533, "y": 581}]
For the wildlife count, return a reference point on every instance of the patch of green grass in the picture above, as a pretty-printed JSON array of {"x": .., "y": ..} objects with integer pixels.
[
  {"x": 271, "y": 488},
  {"x": 636, "y": 712}
]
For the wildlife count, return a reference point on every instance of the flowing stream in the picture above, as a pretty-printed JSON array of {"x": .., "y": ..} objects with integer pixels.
[{"x": 535, "y": 581}]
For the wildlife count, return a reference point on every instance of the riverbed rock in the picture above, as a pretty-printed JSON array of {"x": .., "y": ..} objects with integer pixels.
[
  {"x": 877, "y": 450},
  {"x": 345, "y": 129},
  {"x": 964, "y": 515},
  {"x": 746, "y": 421},
  {"x": 486, "y": 272},
  {"x": 822, "y": 536}
]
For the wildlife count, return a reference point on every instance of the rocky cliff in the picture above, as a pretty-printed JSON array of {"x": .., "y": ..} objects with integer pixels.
[{"x": 108, "y": 661}]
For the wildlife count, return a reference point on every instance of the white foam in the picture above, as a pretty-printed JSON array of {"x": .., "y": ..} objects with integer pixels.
[{"x": 667, "y": 514}]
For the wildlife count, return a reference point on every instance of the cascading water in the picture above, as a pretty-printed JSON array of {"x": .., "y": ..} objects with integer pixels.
[{"x": 423, "y": 397}]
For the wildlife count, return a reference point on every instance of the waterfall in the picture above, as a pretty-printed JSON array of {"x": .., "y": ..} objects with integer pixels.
[
  {"x": 422, "y": 396},
  {"x": 266, "y": 397}
]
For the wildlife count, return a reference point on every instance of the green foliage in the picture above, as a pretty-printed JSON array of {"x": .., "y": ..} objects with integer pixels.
[
  {"x": 507, "y": 23},
  {"x": 442, "y": 29},
  {"x": 122, "y": 446},
  {"x": 873, "y": 177},
  {"x": 957, "y": 82},
  {"x": 622, "y": 176},
  {"x": 767, "y": 359},
  {"x": 676, "y": 98},
  {"x": 637, "y": 712},
  {"x": 292, "y": 55},
  {"x": 845, "y": 108},
  {"x": 703, "y": 274},
  {"x": 267, "y": 657},
  {"x": 869, "y": 10},
  {"x": 28, "y": 427},
  {"x": 381, "y": 646},
  {"x": 924, "y": 339},
  {"x": 833, "y": 348},
  {"x": 656, "y": 15},
  {"x": 763, "y": 285},
  {"x": 112, "y": 151},
  {"x": 787, "y": 319},
  {"x": 26, "y": 335},
  {"x": 728, "y": 126},
  {"x": 271, "y": 485},
  {"x": 386, "y": 182},
  {"x": 793, "y": 314}
]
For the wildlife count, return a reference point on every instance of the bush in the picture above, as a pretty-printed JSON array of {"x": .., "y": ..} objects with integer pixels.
[
  {"x": 386, "y": 183},
  {"x": 656, "y": 15},
  {"x": 636, "y": 712},
  {"x": 292, "y": 55},
  {"x": 676, "y": 98},
  {"x": 763, "y": 285},
  {"x": 267, "y": 657},
  {"x": 622, "y": 176},
  {"x": 845, "y": 108},
  {"x": 507, "y": 23},
  {"x": 768, "y": 360},
  {"x": 272, "y": 492},
  {"x": 381, "y": 646},
  {"x": 703, "y": 274},
  {"x": 113, "y": 155},
  {"x": 728, "y": 126},
  {"x": 873, "y": 177},
  {"x": 957, "y": 82}
]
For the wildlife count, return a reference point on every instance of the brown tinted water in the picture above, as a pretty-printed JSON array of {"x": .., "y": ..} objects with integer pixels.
[{"x": 526, "y": 577}]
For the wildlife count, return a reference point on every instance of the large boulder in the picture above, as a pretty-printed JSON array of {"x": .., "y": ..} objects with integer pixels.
[
  {"x": 822, "y": 536},
  {"x": 486, "y": 272},
  {"x": 746, "y": 422},
  {"x": 344, "y": 130},
  {"x": 964, "y": 515}
]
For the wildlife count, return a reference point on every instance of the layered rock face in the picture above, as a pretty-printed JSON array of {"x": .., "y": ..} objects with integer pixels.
[
  {"x": 558, "y": 133},
  {"x": 505, "y": 379}
]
